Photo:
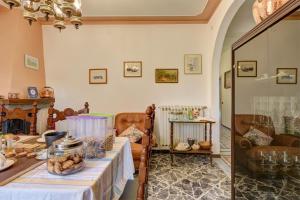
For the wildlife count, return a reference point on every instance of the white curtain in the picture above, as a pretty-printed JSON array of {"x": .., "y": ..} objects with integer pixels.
[{"x": 278, "y": 108}]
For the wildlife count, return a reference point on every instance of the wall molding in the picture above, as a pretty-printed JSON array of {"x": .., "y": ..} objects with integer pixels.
[{"x": 202, "y": 18}]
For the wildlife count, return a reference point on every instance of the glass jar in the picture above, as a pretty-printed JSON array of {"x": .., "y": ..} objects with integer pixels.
[{"x": 65, "y": 156}]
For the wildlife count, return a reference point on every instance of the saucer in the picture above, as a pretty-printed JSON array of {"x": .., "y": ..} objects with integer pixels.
[{"x": 7, "y": 164}]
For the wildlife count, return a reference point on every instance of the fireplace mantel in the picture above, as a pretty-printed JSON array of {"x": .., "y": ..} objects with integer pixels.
[{"x": 26, "y": 101}]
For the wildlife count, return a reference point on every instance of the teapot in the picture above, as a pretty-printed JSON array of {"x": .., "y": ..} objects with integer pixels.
[{"x": 47, "y": 92}]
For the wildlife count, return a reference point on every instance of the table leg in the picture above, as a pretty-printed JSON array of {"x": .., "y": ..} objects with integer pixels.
[
  {"x": 205, "y": 131},
  {"x": 210, "y": 134},
  {"x": 171, "y": 142}
]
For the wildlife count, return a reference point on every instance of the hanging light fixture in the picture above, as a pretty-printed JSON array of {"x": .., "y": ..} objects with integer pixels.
[
  {"x": 61, "y": 10},
  {"x": 59, "y": 22},
  {"x": 76, "y": 18},
  {"x": 263, "y": 8}
]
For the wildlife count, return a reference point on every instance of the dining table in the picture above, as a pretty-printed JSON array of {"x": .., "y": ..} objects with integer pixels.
[{"x": 101, "y": 179}]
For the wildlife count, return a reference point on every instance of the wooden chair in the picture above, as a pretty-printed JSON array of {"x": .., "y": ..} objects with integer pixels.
[
  {"x": 29, "y": 115},
  {"x": 56, "y": 115},
  {"x": 145, "y": 159}
]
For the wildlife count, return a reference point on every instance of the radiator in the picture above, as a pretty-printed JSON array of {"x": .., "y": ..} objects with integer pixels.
[{"x": 181, "y": 131}]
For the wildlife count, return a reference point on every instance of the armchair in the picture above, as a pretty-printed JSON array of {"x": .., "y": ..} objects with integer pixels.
[
  {"x": 247, "y": 153},
  {"x": 144, "y": 122}
]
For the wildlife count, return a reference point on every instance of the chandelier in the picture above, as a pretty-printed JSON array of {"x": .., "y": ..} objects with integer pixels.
[
  {"x": 60, "y": 10},
  {"x": 263, "y": 8}
]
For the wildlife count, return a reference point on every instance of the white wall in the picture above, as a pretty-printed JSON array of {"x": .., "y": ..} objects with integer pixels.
[
  {"x": 69, "y": 55},
  {"x": 242, "y": 22}
]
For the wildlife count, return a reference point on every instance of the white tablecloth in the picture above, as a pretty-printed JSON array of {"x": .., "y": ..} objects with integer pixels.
[{"x": 103, "y": 179}]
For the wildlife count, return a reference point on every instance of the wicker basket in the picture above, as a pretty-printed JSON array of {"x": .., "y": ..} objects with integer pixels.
[{"x": 109, "y": 143}]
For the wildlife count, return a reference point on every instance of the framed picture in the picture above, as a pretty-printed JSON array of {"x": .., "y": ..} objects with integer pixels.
[
  {"x": 247, "y": 68},
  {"x": 31, "y": 62},
  {"x": 227, "y": 79},
  {"x": 192, "y": 64},
  {"x": 133, "y": 69},
  {"x": 286, "y": 76},
  {"x": 166, "y": 75},
  {"x": 98, "y": 76},
  {"x": 32, "y": 93}
]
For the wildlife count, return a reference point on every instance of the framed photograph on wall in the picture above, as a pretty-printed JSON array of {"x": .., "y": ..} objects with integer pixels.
[
  {"x": 32, "y": 92},
  {"x": 133, "y": 68},
  {"x": 286, "y": 76},
  {"x": 247, "y": 68},
  {"x": 31, "y": 62},
  {"x": 227, "y": 79},
  {"x": 166, "y": 75},
  {"x": 98, "y": 76},
  {"x": 192, "y": 64}
]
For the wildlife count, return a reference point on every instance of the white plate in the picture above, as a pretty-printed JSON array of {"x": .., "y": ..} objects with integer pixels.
[
  {"x": 7, "y": 164},
  {"x": 41, "y": 140}
]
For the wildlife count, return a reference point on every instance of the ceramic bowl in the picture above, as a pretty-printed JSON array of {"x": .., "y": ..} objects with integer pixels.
[{"x": 205, "y": 145}]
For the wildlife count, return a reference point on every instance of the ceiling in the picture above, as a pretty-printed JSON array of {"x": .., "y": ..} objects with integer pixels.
[{"x": 97, "y": 8}]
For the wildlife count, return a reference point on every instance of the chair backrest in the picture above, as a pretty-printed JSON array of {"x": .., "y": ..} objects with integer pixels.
[
  {"x": 124, "y": 120},
  {"x": 55, "y": 115},
  {"x": 28, "y": 115}
]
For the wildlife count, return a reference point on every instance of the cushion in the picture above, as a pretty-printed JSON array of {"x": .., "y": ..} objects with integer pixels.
[
  {"x": 132, "y": 133},
  {"x": 258, "y": 138},
  {"x": 136, "y": 151}
]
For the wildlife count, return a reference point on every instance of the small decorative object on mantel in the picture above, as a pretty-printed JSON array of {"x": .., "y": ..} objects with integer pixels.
[
  {"x": 133, "y": 69},
  {"x": 263, "y": 8},
  {"x": 13, "y": 95},
  {"x": 98, "y": 76},
  {"x": 32, "y": 93},
  {"x": 247, "y": 68},
  {"x": 47, "y": 92},
  {"x": 287, "y": 75},
  {"x": 31, "y": 62},
  {"x": 2, "y": 97},
  {"x": 192, "y": 64},
  {"x": 166, "y": 75}
]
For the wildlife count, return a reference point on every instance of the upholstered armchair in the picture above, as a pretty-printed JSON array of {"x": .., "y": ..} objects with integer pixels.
[
  {"x": 124, "y": 120},
  {"x": 246, "y": 154}
]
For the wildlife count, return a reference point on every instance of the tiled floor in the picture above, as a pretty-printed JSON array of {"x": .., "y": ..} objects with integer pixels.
[
  {"x": 225, "y": 139},
  {"x": 248, "y": 188},
  {"x": 191, "y": 177},
  {"x": 225, "y": 142}
]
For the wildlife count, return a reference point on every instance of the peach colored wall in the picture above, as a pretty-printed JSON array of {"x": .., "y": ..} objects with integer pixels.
[{"x": 17, "y": 38}]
